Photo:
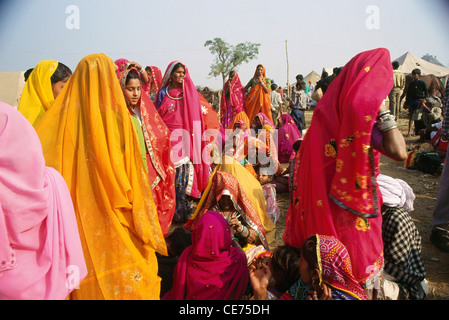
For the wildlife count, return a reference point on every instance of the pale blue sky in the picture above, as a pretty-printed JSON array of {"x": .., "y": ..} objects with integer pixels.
[{"x": 320, "y": 33}]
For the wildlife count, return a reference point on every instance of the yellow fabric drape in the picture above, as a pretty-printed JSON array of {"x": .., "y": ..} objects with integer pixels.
[
  {"x": 37, "y": 95},
  {"x": 89, "y": 137},
  {"x": 252, "y": 189}
]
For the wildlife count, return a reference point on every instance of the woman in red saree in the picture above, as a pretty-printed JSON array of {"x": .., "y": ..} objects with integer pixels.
[
  {"x": 156, "y": 147},
  {"x": 335, "y": 190},
  {"x": 258, "y": 99},
  {"x": 233, "y": 100},
  {"x": 179, "y": 105}
]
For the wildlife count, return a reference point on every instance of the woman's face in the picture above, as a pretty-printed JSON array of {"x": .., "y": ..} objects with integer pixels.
[
  {"x": 259, "y": 71},
  {"x": 57, "y": 87},
  {"x": 177, "y": 75},
  {"x": 304, "y": 270},
  {"x": 133, "y": 91},
  {"x": 226, "y": 204}
]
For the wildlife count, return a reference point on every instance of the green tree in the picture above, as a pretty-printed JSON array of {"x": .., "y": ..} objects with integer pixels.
[{"x": 229, "y": 57}]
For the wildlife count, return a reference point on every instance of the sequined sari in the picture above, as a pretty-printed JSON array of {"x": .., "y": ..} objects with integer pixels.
[{"x": 335, "y": 191}]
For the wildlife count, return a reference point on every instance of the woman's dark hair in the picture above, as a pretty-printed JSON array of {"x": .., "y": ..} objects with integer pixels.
[
  {"x": 178, "y": 239},
  {"x": 27, "y": 74},
  {"x": 179, "y": 64},
  {"x": 62, "y": 73},
  {"x": 132, "y": 75},
  {"x": 285, "y": 266}
]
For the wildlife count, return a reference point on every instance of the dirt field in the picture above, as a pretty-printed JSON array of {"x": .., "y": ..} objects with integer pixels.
[{"x": 425, "y": 187}]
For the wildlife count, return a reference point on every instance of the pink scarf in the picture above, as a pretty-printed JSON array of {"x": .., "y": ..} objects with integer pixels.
[
  {"x": 233, "y": 100},
  {"x": 40, "y": 250},
  {"x": 336, "y": 192},
  {"x": 211, "y": 268},
  {"x": 191, "y": 121},
  {"x": 288, "y": 133}
]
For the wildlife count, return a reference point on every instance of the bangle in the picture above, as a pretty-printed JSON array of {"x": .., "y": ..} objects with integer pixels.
[
  {"x": 383, "y": 113},
  {"x": 386, "y": 122},
  {"x": 235, "y": 239}
]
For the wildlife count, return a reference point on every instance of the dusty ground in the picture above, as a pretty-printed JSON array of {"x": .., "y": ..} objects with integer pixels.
[{"x": 425, "y": 187}]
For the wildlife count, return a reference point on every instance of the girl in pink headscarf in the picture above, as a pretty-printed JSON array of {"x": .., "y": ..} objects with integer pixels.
[
  {"x": 154, "y": 84},
  {"x": 40, "y": 249},
  {"x": 211, "y": 268},
  {"x": 179, "y": 105},
  {"x": 287, "y": 135}
]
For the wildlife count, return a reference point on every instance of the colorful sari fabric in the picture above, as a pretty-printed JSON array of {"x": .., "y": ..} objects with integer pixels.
[
  {"x": 335, "y": 189},
  {"x": 181, "y": 111},
  {"x": 211, "y": 126},
  {"x": 37, "y": 95},
  {"x": 211, "y": 268},
  {"x": 154, "y": 85},
  {"x": 40, "y": 250},
  {"x": 258, "y": 100},
  {"x": 161, "y": 170},
  {"x": 247, "y": 194},
  {"x": 335, "y": 269},
  {"x": 288, "y": 133},
  {"x": 121, "y": 65},
  {"x": 89, "y": 137},
  {"x": 233, "y": 99},
  {"x": 264, "y": 120}
]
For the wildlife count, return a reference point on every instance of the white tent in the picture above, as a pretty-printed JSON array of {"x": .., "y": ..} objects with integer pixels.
[
  {"x": 409, "y": 61},
  {"x": 313, "y": 76},
  {"x": 11, "y": 86}
]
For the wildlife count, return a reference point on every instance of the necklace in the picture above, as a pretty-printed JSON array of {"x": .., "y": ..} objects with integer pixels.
[{"x": 171, "y": 96}]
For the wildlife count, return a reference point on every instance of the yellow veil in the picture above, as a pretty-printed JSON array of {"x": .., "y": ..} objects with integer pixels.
[
  {"x": 89, "y": 137},
  {"x": 253, "y": 191},
  {"x": 37, "y": 95}
]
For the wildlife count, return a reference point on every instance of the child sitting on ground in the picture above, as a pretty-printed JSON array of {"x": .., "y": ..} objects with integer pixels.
[{"x": 269, "y": 191}]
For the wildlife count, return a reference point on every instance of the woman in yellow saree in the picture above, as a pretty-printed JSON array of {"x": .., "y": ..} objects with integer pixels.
[
  {"x": 247, "y": 194},
  {"x": 89, "y": 137},
  {"x": 42, "y": 87},
  {"x": 258, "y": 98}
]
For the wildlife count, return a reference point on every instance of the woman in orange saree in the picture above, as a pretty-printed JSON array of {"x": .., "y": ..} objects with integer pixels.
[
  {"x": 335, "y": 189},
  {"x": 89, "y": 137},
  {"x": 258, "y": 98},
  {"x": 156, "y": 146}
]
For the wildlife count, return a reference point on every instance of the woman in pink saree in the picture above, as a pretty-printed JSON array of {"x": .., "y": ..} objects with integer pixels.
[
  {"x": 179, "y": 105},
  {"x": 335, "y": 188},
  {"x": 154, "y": 85},
  {"x": 40, "y": 249},
  {"x": 233, "y": 100},
  {"x": 288, "y": 133},
  {"x": 211, "y": 268}
]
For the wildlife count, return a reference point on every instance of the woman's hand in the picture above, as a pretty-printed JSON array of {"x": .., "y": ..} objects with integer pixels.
[
  {"x": 259, "y": 275},
  {"x": 326, "y": 293}
]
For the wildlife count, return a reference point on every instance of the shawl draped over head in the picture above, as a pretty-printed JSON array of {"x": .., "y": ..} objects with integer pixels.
[
  {"x": 264, "y": 120},
  {"x": 40, "y": 250},
  {"x": 156, "y": 80},
  {"x": 211, "y": 268},
  {"x": 37, "y": 95},
  {"x": 89, "y": 137},
  {"x": 336, "y": 165},
  {"x": 121, "y": 65},
  {"x": 247, "y": 194},
  {"x": 191, "y": 122},
  {"x": 258, "y": 100},
  {"x": 396, "y": 193},
  {"x": 335, "y": 266},
  {"x": 233, "y": 100},
  {"x": 161, "y": 170},
  {"x": 288, "y": 133}
]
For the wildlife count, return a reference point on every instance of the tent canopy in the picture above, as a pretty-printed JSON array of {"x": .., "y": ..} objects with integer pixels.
[
  {"x": 11, "y": 86},
  {"x": 313, "y": 77},
  {"x": 409, "y": 61}
]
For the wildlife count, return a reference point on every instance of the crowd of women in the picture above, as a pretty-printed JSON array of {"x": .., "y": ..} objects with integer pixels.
[{"x": 120, "y": 183}]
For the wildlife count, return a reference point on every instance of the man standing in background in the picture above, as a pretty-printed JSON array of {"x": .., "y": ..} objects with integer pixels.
[{"x": 396, "y": 92}]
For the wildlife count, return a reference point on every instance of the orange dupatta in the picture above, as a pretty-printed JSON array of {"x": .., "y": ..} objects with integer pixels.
[
  {"x": 89, "y": 137},
  {"x": 258, "y": 101}
]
